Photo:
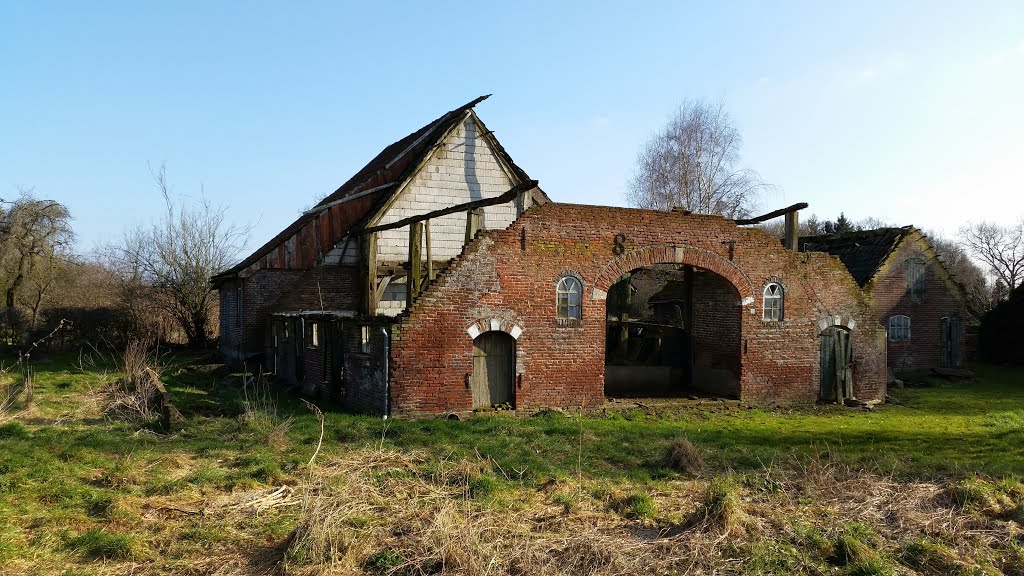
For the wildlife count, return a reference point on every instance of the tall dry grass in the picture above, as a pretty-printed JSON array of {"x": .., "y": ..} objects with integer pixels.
[
  {"x": 386, "y": 512},
  {"x": 260, "y": 414}
]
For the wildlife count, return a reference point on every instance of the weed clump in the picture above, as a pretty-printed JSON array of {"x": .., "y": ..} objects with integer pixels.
[
  {"x": 139, "y": 396},
  {"x": 682, "y": 456},
  {"x": 852, "y": 547},
  {"x": 722, "y": 508},
  {"x": 1002, "y": 501},
  {"x": 639, "y": 506},
  {"x": 931, "y": 557}
]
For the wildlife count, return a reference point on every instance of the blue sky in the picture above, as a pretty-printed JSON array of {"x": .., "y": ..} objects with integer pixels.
[{"x": 906, "y": 111}]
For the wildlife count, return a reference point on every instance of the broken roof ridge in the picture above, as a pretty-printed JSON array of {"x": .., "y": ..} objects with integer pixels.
[
  {"x": 870, "y": 231},
  {"x": 426, "y": 130}
]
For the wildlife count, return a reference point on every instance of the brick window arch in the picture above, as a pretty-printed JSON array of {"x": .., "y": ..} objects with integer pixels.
[
  {"x": 774, "y": 296},
  {"x": 569, "y": 298}
]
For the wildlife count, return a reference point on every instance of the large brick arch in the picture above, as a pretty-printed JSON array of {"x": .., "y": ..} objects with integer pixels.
[{"x": 679, "y": 254}]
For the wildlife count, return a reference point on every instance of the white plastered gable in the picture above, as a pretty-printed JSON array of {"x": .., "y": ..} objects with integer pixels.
[{"x": 463, "y": 168}]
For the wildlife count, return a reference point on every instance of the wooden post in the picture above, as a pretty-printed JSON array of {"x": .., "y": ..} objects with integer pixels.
[
  {"x": 415, "y": 263},
  {"x": 430, "y": 258},
  {"x": 369, "y": 273},
  {"x": 473, "y": 219},
  {"x": 792, "y": 229}
]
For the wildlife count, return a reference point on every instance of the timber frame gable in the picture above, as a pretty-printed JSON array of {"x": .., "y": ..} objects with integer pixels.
[{"x": 363, "y": 199}]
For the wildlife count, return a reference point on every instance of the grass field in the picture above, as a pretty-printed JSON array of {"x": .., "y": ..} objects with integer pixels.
[{"x": 929, "y": 483}]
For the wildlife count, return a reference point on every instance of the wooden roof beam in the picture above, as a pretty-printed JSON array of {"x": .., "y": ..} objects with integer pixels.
[{"x": 509, "y": 196}]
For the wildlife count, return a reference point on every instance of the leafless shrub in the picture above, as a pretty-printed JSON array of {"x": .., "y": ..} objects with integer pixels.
[
  {"x": 171, "y": 262},
  {"x": 682, "y": 456}
]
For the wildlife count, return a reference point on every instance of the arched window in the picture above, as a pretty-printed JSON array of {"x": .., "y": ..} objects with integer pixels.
[
  {"x": 569, "y": 297},
  {"x": 899, "y": 328},
  {"x": 773, "y": 302}
]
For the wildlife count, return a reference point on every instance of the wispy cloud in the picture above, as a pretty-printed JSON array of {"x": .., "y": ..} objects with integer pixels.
[
  {"x": 887, "y": 65},
  {"x": 999, "y": 58}
]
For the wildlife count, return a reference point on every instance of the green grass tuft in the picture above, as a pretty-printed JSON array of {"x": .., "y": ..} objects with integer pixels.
[
  {"x": 385, "y": 562},
  {"x": 873, "y": 566},
  {"x": 852, "y": 546},
  {"x": 13, "y": 430},
  {"x": 638, "y": 506},
  {"x": 97, "y": 543}
]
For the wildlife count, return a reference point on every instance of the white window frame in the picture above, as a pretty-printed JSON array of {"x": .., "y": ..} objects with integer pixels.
[
  {"x": 566, "y": 287},
  {"x": 773, "y": 302},
  {"x": 314, "y": 334},
  {"x": 899, "y": 328}
]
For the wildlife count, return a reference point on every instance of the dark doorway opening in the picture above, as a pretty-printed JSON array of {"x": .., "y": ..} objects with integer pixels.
[{"x": 672, "y": 330}]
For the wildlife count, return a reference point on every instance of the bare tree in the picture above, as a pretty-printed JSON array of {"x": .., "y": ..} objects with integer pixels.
[
  {"x": 692, "y": 164},
  {"x": 172, "y": 261},
  {"x": 1001, "y": 248},
  {"x": 964, "y": 271},
  {"x": 32, "y": 233}
]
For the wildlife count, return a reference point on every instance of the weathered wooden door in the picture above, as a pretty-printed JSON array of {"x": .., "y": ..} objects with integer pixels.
[
  {"x": 494, "y": 367},
  {"x": 836, "y": 365},
  {"x": 949, "y": 329},
  {"x": 337, "y": 363}
]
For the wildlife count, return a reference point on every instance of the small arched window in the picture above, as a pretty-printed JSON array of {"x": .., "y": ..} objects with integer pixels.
[
  {"x": 899, "y": 328},
  {"x": 569, "y": 297},
  {"x": 773, "y": 302}
]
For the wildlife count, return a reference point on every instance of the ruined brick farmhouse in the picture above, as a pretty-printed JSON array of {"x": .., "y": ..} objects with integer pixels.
[{"x": 441, "y": 279}]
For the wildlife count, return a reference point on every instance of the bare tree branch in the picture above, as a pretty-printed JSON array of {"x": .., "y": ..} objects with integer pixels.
[
  {"x": 692, "y": 164},
  {"x": 177, "y": 256},
  {"x": 1001, "y": 248}
]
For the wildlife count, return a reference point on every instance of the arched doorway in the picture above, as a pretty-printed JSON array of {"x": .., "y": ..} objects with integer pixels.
[
  {"x": 494, "y": 368},
  {"x": 836, "y": 364},
  {"x": 672, "y": 329}
]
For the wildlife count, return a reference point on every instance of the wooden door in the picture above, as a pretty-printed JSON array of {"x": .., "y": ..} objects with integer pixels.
[
  {"x": 494, "y": 367},
  {"x": 337, "y": 367},
  {"x": 836, "y": 365},
  {"x": 949, "y": 329}
]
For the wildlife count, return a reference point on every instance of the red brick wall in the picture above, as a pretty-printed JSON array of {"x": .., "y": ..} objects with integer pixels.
[
  {"x": 510, "y": 276},
  {"x": 888, "y": 296},
  {"x": 717, "y": 331}
]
